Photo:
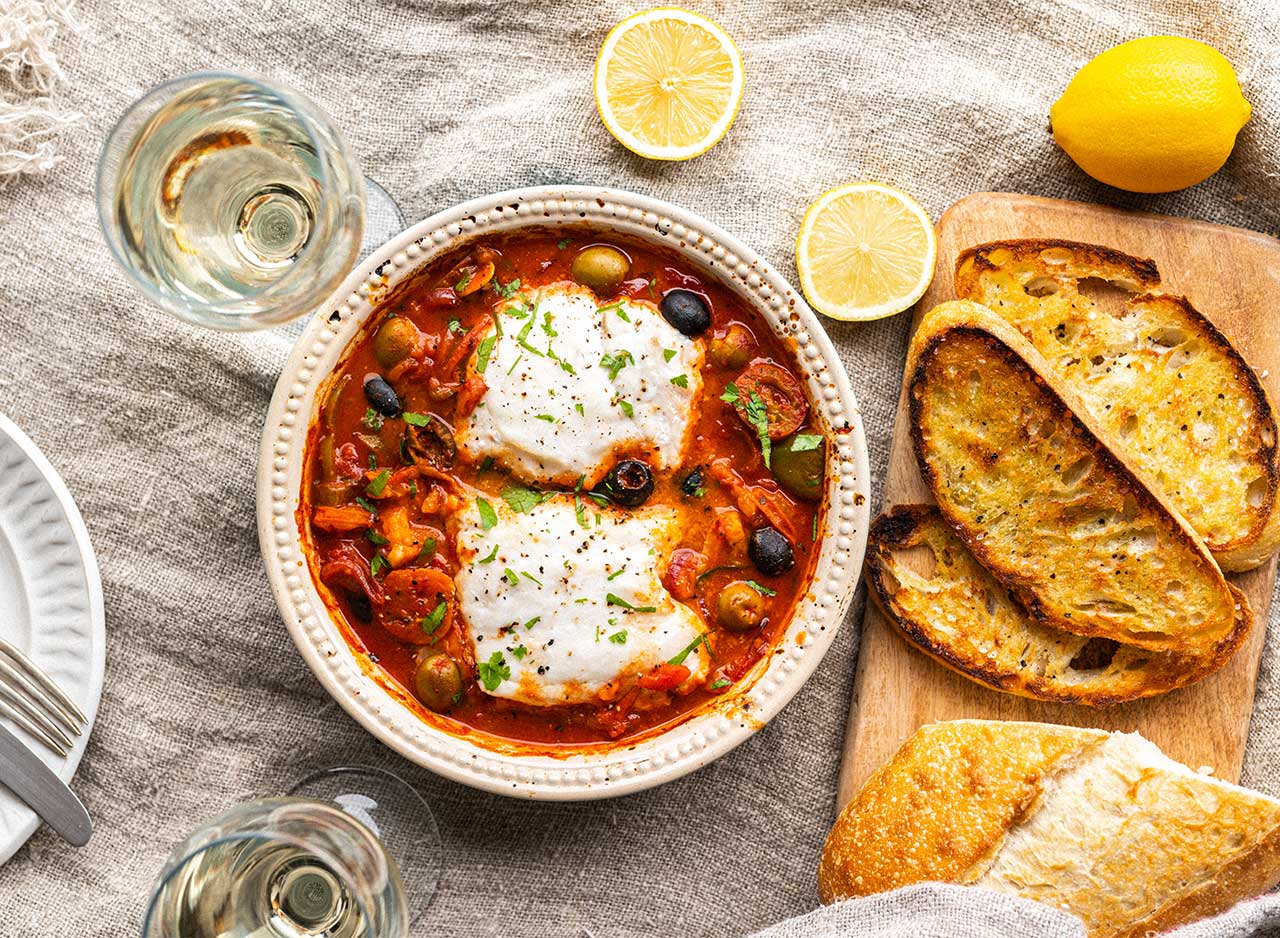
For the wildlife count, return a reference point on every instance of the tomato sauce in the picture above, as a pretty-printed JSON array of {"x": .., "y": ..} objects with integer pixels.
[{"x": 367, "y": 474}]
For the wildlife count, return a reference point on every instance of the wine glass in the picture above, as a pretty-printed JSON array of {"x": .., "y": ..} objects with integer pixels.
[
  {"x": 234, "y": 202},
  {"x": 351, "y": 852}
]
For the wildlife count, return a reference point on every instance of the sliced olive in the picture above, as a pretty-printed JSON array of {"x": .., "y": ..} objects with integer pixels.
[
  {"x": 687, "y": 311},
  {"x": 601, "y": 268},
  {"x": 382, "y": 396},
  {"x": 770, "y": 551},
  {"x": 432, "y": 445},
  {"x": 395, "y": 340},
  {"x": 629, "y": 483},
  {"x": 692, "y": 484},
  {"x": 740, "y": 607},
  {"x": 438, "y": 682},
  {"x": 733, "y": 349},
  {"x": 799, "y": 464}
]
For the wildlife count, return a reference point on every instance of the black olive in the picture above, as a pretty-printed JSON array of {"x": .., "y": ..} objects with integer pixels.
[
  {"x": 687, "y": 311},
  {"x": 770, "y": 551},
  {"x": 692, "y": 483},
  {"x": 629, "y": 483},
  {"x": 382, "y": 396}
]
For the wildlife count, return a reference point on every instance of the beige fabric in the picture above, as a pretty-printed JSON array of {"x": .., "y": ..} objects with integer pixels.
[{"x": 155, "y": 425}]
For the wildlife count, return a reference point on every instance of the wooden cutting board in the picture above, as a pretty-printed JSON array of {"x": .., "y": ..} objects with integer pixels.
[{"x": 1233, "y": 277}]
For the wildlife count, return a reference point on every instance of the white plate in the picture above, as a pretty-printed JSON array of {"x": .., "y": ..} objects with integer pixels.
[
  {"x": 50, "y": 602},
  {"x": 625, "y": 767}
]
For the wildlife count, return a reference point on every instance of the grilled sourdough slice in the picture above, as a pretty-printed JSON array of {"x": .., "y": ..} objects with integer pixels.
[
  {"x": 1101, "y": 824},
  {"x": 1021, "y": 475},
  {"x": 1172, "y": 392},
  {"x": 946, "y": 604}
]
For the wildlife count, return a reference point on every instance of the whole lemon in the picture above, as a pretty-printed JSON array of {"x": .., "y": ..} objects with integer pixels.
[{"x": 1151, "y": 115}]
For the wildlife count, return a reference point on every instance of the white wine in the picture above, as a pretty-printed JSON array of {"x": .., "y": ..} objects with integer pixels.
[
  {"x": 220, "y": 191},
  {"x": 282, "y": 868}
]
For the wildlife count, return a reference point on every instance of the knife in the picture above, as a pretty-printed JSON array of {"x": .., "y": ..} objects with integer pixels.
[{"x": 22, "y": 772}]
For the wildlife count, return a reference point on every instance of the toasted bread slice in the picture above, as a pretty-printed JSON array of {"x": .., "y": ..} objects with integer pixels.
[
  {"x": 1169, "y": 388},
  {"x": 947, "y": 605},
  {"x": 1022, "y": 475}
]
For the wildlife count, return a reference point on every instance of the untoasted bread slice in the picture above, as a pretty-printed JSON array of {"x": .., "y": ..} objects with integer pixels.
[
  {"x": 946, "y": 604},
  {"x": 1020, "y": 473},
  {"x": 1103, "y": 825},
  {"x": 1169, "y": 388}
]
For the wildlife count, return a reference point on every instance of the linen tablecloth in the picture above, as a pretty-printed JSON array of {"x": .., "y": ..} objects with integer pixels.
[{"x": 155, "y": 425}]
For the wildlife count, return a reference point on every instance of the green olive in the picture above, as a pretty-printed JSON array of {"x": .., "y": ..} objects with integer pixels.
[
  {"x": 733, "y": 349},
  {"x": 601, "y": 268},
  {"x": 438, "y": 682},
  {"x": 800, "y": 466},
  {"x": 395, "y": 340},
  {"x": 740, "y": 606}
]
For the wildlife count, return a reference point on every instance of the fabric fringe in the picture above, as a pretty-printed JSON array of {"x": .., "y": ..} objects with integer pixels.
[{"x": 30, "y": 74}]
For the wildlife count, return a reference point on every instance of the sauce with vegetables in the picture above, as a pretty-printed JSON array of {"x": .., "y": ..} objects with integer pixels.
[{"x": 402, "y": 516}]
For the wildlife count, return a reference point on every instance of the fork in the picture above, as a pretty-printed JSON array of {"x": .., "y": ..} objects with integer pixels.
[{"x": 31, "y": 699}]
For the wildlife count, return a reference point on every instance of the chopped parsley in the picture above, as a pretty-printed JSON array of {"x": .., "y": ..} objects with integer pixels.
[
  {"x": 366, "y": 504},
  {"x": 488, "y": 517},
  {"x": 463, "y": 281},
  {"x": 519, "y": 652},
  {"x": 379, "y": 483},
  {"x": 653, "y": 293},
  {"x": 519, "y": 359},
  {"x": 375, "y": 538},
  {"x": 617, "y": 573},
  {"x": 579, "y": 510},
  {"x": 813, "y": 535},
  {"x": 564, "y": 243},
  {"x": 523, "y": 499},
  {"x": 435, "y": 618},
  {"x": 506, "y": 290},
  {"x": 547, "y": 417},
  {"x": 484, "y": 351},
  {"x": 758, "y": 416},
  {"x": 612, "y": 600},
  {"x": 730, "y": 395},
  {"x": 688, "y": 649},
  {"x": 615, "y": 363},
  {"x": 680, "y": 381},
  {"x": 494, "y": 671},
  {"x": 492, "y": 554},
  {"x": 580, "y": 409},
  {"x": 372, "y": 419},
  {"x": 378, "y": 563},
  {"x": 428, "y": 550},
  {"x": 619, "y": 637},
  {"x": 456, "y": 327},
  {"x": 416, "y": 420},
  {"x": 669, "y": 353},
  {"x": 803, "y": 442},
  {"x": 719, "y": 683},
  {"x": 761, "y": 589},
  {"x": 529, "y": 576},
  {"x": 512, "y": 578},
  {"x": 373, "y": 461},
  {"x": 626, "y": 407},
  {"x": 532, "y": 622}
]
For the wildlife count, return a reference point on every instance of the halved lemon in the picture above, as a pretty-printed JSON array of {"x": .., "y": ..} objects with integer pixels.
[
  {"x": 668, "y": 83},
  {"x": 865, "y": 251}
]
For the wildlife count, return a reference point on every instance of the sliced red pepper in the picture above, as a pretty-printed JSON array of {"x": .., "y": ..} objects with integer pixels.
[
  {"x": 665, "y": 677},
  {"x": 346, "y": 568}
]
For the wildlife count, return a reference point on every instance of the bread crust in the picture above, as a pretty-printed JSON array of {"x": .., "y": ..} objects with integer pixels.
[
  {"x": 975, "y": 331},
  {"x": 980, "y": 635},
  {"x": 943, "y": 804},
  {"x": 1242, "y": 527}
]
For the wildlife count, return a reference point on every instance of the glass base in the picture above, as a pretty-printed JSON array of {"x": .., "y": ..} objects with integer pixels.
[
  {"x": 391, "y": 808},
  {"x": 383, "y": 219}
]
